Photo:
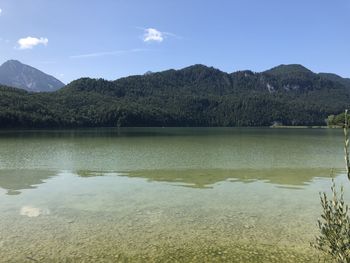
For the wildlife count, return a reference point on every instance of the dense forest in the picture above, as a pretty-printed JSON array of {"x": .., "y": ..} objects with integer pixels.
[
  {"x": 337, "y": 120},
  {"x": 193, "y": 96}
]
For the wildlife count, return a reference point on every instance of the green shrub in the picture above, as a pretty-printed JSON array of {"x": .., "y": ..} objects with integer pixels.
[{"x": 334, "y": 226}]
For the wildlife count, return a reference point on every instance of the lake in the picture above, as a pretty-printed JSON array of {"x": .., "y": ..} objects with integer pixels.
[{"x": 165, "y": 194}]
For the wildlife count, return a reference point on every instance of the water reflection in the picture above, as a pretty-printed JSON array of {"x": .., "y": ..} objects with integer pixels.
[
  {"x": 159, "y": 131},
  {"x": 122, "y": 132},
  {"x": 206, "y": 178},
  {"x": 31, "y": 211},
  {"x": 14, "y": 181},
  {"x": 87, "y": 173}
]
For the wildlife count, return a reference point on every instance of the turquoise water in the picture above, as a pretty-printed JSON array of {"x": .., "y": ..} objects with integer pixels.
[{"x": 164, "y": 194}]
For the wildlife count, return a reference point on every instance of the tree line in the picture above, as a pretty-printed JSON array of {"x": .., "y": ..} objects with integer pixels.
[{"x": 194, "y": 96}]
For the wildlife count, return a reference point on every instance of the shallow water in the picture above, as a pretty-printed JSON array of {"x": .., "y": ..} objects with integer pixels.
[{"x": 164, "y": 194}]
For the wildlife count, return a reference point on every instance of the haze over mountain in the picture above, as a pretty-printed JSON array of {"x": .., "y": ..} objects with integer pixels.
[
  {"x": 15, "y": 74},
  {"x": 193, "y": 96}
]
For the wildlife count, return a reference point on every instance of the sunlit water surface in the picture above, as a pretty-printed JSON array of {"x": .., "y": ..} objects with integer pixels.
[{"x": 165, "y": 194}]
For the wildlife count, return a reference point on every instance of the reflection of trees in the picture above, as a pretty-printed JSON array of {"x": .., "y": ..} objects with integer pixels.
[
  {"x": 16, "y": 180},
  {"x": 205, "y": 178}
]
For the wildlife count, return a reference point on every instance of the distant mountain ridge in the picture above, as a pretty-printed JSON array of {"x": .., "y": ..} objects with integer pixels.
[
  {"x": 15, "y": 74},
  {"x": 193, "y": 96}
]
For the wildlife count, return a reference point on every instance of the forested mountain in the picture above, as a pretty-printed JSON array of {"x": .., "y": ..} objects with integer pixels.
[
  {"x": 15, "y": 74},
  {"x": 336, "y": 78},
  {"x": 193, "y": 96}
]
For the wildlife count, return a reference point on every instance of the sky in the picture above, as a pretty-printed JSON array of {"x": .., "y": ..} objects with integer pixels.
[{"x": 115, "y": 38}]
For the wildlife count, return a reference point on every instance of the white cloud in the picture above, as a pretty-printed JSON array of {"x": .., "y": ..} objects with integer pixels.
[
  {"x": 0, "y": 11},
  {"x": 153, "y": 35},
  {"x": 108, "y": 53},
  {"x": 30, "y": 42}
]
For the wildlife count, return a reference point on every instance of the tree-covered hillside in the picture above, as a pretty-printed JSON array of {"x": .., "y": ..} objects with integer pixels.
[{"x": 193, "y": 96}]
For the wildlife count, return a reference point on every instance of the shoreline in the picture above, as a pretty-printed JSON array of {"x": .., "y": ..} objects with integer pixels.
[{"x": 168, "y": 127}]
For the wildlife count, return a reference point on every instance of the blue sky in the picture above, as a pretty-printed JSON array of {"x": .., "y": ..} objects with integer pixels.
[{"x": 116, "y": 38}]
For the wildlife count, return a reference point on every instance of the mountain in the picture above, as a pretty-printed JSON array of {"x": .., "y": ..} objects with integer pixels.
[
  {"x": 193, "y": 96},
  {"x": 336, "y": 78},
  {"x": 287, "y": 70},
  {"x": 15, "y": 74},
  {"x": 148, "y": 72}
]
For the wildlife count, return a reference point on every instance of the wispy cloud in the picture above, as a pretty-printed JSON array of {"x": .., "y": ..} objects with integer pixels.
[
  {"x": 30, "y": 42},
  {"x": 0, "y": 11},
  {"x": 5, "y": 41},
  {"x": 109, "y": 53},
  {"x": 47, "y": 62},
  {"x": 172, "y": 35}
]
